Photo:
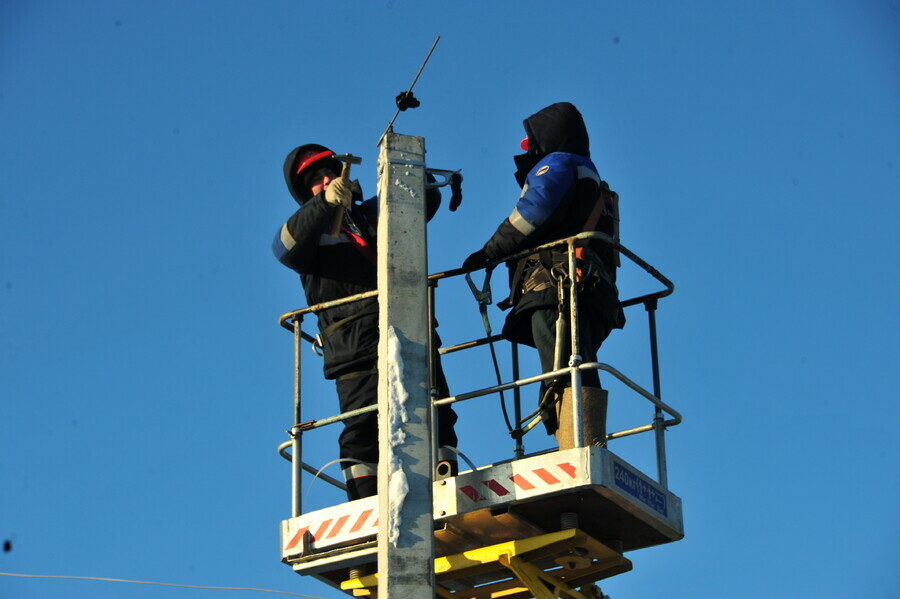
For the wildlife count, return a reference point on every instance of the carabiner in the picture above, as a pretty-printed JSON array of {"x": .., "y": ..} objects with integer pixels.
[
  {"x": 483, "y": 297},
  {"x": 317, "y": 346}
]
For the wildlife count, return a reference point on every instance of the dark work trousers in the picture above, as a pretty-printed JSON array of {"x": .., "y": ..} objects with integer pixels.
[
  {"x": 594, "y": 330},
  {"x": 359, "y": 439}
]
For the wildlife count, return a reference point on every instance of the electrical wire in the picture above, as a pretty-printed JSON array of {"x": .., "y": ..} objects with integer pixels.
[{"x": 163, "y": 584}]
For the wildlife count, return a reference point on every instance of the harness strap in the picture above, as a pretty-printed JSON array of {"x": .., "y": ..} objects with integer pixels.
[
  {"x": 355, "y": 235},
  {"x": 356, "y": 374},
  {"x": 336, "y": 325},
  {"x": 589, "y": 225},
  {"x": 515, "y": 285}
]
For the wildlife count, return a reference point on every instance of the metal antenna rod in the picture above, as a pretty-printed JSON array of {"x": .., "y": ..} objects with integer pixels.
[{"x": 411, "y": 85}]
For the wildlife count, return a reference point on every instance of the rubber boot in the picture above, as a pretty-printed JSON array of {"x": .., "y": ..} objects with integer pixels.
[{"x": 593, "y": 418}]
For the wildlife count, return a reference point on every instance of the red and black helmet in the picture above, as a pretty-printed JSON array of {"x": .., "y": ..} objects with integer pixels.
[{"x": 303, "y": 162}]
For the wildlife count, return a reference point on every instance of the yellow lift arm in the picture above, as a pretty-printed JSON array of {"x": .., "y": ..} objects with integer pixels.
[{"x": 548, "y": 566}]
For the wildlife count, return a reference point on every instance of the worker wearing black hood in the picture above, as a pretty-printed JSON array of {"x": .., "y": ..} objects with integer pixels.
[
  {"x": 333, "y": 268},
  {"x": 562, "y": 195}
]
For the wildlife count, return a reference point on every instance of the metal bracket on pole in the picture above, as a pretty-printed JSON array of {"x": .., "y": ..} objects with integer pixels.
[{"x": 405, "y": 466}]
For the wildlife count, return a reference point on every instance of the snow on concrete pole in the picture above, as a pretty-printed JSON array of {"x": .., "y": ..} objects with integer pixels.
[{"x": 406, "y": 525}]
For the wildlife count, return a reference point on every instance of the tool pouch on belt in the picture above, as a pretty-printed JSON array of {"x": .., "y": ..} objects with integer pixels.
[{"x": 530, "y": 275}]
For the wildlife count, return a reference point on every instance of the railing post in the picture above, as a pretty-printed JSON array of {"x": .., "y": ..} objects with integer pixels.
[
  {"x": 658, "y": 420},
  {"x": 519, "y": 450},
  {"x": 296, "y": 435},
  {"x": 433, "y": 389},
  {"x": 575, "y": 358}
]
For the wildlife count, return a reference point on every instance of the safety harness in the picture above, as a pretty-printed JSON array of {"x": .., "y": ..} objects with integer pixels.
[{"x": 549, "y": 268}]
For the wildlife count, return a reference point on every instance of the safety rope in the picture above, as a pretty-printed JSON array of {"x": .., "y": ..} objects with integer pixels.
[
  {"x": 552, "y": 393},
  {"x": 483, "y": 297}
]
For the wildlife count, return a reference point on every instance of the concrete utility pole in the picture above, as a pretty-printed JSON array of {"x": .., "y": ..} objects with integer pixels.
[{"x": 406, "y": 525}]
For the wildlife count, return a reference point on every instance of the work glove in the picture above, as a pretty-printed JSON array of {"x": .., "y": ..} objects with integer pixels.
[
  {"x": 476, "y": 260},
  {"x": 339, "y": 192}
]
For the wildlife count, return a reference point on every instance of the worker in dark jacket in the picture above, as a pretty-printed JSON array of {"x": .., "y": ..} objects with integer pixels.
[
  {"x": 562, "y": 195},
  {"x": 332, "y": 268}
]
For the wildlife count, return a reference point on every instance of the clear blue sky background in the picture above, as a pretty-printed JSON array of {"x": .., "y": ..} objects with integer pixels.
[{"x": 145, "y": 384}]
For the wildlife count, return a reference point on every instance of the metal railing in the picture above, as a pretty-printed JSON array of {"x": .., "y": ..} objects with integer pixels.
[{"x": 292, "y": 321}]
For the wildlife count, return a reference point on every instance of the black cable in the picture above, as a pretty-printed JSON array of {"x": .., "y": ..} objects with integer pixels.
[{"x": 509, "y": 426}]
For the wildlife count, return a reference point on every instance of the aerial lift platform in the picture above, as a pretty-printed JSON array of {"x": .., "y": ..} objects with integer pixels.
[
  {"x": 543, "y": 525},
  {"x": 612, "y": 507}
]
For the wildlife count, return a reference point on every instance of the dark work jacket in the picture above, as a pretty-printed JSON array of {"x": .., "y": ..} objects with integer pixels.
[
  {"x": 560, "y": 188},
  {"x": 336, "y": 267}
]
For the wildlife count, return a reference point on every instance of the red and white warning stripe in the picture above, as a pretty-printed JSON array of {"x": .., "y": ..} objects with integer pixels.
[
  {"x": 536, "y": 479},
  {"x": 329, "y": 527}
]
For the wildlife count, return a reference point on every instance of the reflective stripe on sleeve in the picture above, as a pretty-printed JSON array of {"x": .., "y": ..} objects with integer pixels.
[
  {"x": 518, "y": 221},
  {"x": 286, "y": 239},
  {"x": 585, "y": 172}
]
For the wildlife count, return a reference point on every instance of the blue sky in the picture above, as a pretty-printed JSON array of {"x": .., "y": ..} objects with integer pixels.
[{"x": 145, "y": 383}]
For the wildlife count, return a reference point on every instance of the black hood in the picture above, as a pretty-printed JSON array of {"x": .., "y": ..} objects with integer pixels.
[
  {"x": 556, "y": 128},
  {"x": 298, "y": 183}
]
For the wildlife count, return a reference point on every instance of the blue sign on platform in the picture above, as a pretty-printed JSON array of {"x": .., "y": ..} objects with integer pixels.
[{"x": 634, "y": 485}]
